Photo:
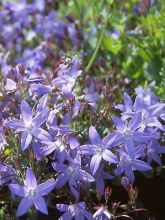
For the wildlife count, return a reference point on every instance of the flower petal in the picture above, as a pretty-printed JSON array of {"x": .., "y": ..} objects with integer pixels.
[
  {"x": 17, "y": 189},
  {"x": 135, "y": 122},
  {"x": 67, "y": 215},
  {"x": 119, "y": 124},
  {"x": 95, "y": 162},
  {"x": 40, "y": 204},
  {"x": 25, "y": 204},
  {"x": 40, "y": 118},
  {"x": 141, "y": 165},
  {"x": 87, "y": 149},
  {"x": 127, "y": 101},
  {"x": 94, "y": 136},
  {"x": 45, "y": 188},
  {"x": 87, "y": 215},
  {"x": 26, "y": 139},
  {"x": 30, "y": 179},
  {"x": 62, "y": 180},
  {"x": 26, "y": 113},
  {"x": 42, "y": 135},
  {"x": 59, "y": 167},
  {"x": 129, "y": 146},
  {"x": 109, "y": 157},
  {"x": 86, "y": 177},
  {"x": 129, "y": 173},
  {"x": 62, "y": 207},
  {"x": 15, "y": 124}
]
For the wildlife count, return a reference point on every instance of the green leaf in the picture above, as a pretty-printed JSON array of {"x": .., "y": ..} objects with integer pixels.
[
  {"x": 111, "y": 44},
  {"x": 110, "y": 2}
]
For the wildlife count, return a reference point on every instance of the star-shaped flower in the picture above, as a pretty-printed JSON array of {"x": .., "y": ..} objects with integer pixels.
[
  {"x": 29, "y": 126},
  {"x": 76, "y": 211},
  {"x": 98, "y": 149},
  {"x": 32, "y": 193}
]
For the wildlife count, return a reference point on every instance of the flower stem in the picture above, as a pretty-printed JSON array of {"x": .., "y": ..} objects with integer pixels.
[{"x": 97, "y": 46}]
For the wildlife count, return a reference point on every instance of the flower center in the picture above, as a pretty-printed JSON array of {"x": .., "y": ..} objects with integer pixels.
[
  {"x": 100, "y": 151},
  {"x": 127, "y": 133},
  {"x": 70, "y": 170},
  {"x": 31, "y": 192},
  {"x": 126, "y": 160}
]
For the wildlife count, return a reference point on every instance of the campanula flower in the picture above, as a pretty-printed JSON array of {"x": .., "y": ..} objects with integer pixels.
[
  {"x": 128, "y": 133},
  {"x": 98, "y": 149},
  {"x": 32, "y": 193},
  {"x": 128, "y": 164},
  {"x": 100, "y": 176},
  {"x": 102, "y": 214},
  {"x": 73, "y": 174},
  {"x": 28, "y": 125},
  {"x": 7, "y": 173},
  {"x": 67, "y": 76},
  {"x": 76, "y": 211}
]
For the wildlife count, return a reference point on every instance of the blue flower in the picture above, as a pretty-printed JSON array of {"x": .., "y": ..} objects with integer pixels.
[
  {"x": 102, "y": 214},
  {"x": 7, "y": 173},
  {"x": 128, "y": 164},
  {"x": 32, "y": 193},
  {"x": 100, "y": 176},
  {"x": 67, "y": 76},
  {"x": 73, "y": 174},
  {"x": 98, "y": 149},
  {"x": 76, "y": 211},
  {"x": 128, "y": 134},
  {"x": 29, "y": 126}
]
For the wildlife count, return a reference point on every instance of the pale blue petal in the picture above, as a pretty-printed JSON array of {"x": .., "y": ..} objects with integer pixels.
[
  {"x": 26, "y": 113},
  {"x": 62, "y": 207},
  {"x": 119, "y": 124},
  {"x": 79, "y": 216},
  {"x": 45, "y": 188},
  {"x": 25, "y": 204},
  {"x": 109, "y": 157},
  {"x": 15, "y": 124},
  {"x": 42, "y": 103},
  {"x": 129, "y": 173},
  {"x": 95, "y": 162},
  {"x": 66, "y": 216},
  {"x": 40, "y": 118},
  {"x": 135, "y": 122},
  {"x": 26, "y": 139},
  {"x": 47, "y": 149},
  {"x": 40, "y": 204},
  {"x": 61, "y": 180},
  {"x": 87, "y": 149},
  {"x": 129, "y": 146},
  {"x": 141, "y": 165},
  {"x": 42, "y": 135},
  {"x": 100, "y": 186},
  {"x": 18, "y": 190},
  {"x": 84, "y": 176},
  {"x": 74, "y": 190},
  {"x": 59, "y": 167},
  {"x": 94, "y": 136},
  {"x": 127, "y": 101},
  {"x": 30, "y": 179}
]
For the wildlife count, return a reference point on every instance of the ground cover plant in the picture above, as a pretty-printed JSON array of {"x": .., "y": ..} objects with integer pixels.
[{"x": 82, "y": 112}]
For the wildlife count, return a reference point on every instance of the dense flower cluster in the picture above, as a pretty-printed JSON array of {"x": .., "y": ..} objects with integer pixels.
[
  {"x": 22, "y": 23},
  {"x": 45, "y": 128},
  {"x": 60, "y": 146}
]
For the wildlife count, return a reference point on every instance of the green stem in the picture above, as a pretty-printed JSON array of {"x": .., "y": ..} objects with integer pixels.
[
  {"x": 80, "y": 12},
  {"x": 97, "y": 46}
]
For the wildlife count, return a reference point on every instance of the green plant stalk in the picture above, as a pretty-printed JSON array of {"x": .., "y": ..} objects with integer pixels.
[
  {"x": 97, "y": 46},
  {"x": 80, "y": 12}
]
